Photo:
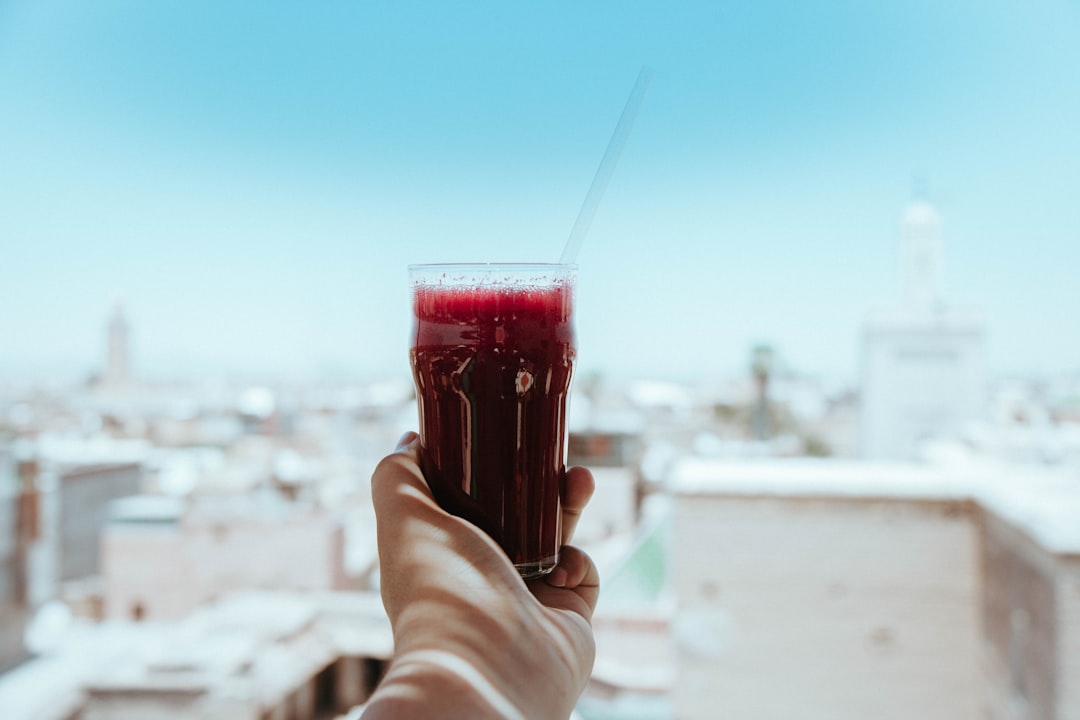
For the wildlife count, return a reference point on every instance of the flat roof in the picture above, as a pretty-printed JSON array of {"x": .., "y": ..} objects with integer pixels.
[
  {"x": 817, "y": 477},
  {"x": 146, "y": 509},
  {"x": 280, "y": 635},
  {"x": 1042, "y": 502}
]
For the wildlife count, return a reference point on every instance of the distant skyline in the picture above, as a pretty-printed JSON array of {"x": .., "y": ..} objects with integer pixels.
[{"x": 252, "y": 178}]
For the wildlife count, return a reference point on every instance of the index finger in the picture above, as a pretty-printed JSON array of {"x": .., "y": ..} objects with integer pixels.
[{"x": 399, "y": 474}]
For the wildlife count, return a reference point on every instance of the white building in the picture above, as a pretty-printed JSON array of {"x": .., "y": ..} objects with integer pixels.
[
  {"x": 835, "y": 590},
  {"x": 922, "y": 361},
  {"x": 162, "y": 560}
]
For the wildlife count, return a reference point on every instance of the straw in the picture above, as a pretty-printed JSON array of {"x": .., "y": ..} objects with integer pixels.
[{"x": 607, "y": 167}]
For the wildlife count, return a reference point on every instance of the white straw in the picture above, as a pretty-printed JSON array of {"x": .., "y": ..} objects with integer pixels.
[{"x": 607, "y": 167}]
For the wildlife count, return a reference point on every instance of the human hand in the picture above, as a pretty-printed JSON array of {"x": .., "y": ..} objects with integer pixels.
[{"x": 471, "y": 640}]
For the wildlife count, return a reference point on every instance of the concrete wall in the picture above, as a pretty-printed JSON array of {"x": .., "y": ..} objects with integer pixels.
[
  {"x": 8, "y": 558},
  {"x": 920, "y": 380},
  {"x": 1031, "y": 600},
  {"x": 84, "y": 496},
  {"x": 825, "y": 608},
  {"x": 135, "y": 705},
  {"x": 14, "y": 612},
  {"x": 1068, "y": 594},
  {"x": 1020, "y": 624},
  {"x": 168, "y": 570},
  {"x": 13, "y": 621},
  {"x": 335, "y": 689}
]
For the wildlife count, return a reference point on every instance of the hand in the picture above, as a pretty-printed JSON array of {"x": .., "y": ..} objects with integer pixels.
[{"x": 471, "y": 639}]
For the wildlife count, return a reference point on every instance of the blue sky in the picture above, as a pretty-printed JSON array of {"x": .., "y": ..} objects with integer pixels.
[{"x": 253, "y": 177}]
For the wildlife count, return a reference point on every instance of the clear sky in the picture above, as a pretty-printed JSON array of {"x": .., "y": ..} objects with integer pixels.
[{"x": 253, "y": 177}]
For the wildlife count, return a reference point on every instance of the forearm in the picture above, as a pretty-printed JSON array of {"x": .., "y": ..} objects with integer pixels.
[
  {"x": 437, "y": 683},
  {"x": 497, "y": 667}
]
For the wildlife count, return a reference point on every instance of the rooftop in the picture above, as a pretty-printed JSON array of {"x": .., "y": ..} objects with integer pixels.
[
  {"x": 269, "y": 637},
  {"x": 1043, "y": 503}
]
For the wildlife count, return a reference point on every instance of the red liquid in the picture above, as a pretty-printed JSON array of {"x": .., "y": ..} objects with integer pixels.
[{"x": 492, "y": 367}]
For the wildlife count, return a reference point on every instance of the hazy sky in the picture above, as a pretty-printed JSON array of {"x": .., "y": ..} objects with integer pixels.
[{"x": 253, "y": 177}]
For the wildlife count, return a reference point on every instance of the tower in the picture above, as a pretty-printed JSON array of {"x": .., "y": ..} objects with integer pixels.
[
  {"x": 117, "y": 365},
  {"x": 922, "y": 359},
  {"x": 762, "y": 362},
  {"x": 920, "y": 257}
]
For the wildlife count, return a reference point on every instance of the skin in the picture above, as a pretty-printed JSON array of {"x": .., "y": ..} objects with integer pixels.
[{"x": 471, "y": 639}]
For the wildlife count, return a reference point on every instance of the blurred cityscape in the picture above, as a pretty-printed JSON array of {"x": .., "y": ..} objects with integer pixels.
[{"x": 772, "y": 545}]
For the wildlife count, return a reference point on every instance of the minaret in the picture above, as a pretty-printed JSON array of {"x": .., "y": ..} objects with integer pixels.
[
  {"x": 116, "y": 360},
  {"x": 921, "y": 272},
  {"x": 922, "y": 363}
]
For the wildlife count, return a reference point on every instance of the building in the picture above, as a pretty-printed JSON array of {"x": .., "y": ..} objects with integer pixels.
[
  {"x": 250, "y": 656},
  {"x": 834, "y": 590},
  {"x": 922, "y": 360},
  {"x": 117, "y": 371},
  {"x": 13, "y": 606},
  {"x": 52, "y": 511},
  {"x": 85, "y": 494},
  {"x": 22, "y": 546},
  {"x": 164, "y": 557},
  {"x": 1030, "y": 565}
]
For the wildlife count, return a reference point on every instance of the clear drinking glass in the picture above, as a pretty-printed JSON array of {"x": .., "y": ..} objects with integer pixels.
[{"x": 492, "y": 355}]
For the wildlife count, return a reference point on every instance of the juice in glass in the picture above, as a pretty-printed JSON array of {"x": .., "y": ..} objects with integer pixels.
[{"x": 492, "y": 355}]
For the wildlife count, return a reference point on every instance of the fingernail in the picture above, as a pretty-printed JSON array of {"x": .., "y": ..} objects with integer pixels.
[
  {"x": 557, "y": 577},
  {"x": 405, "y": 440}
]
